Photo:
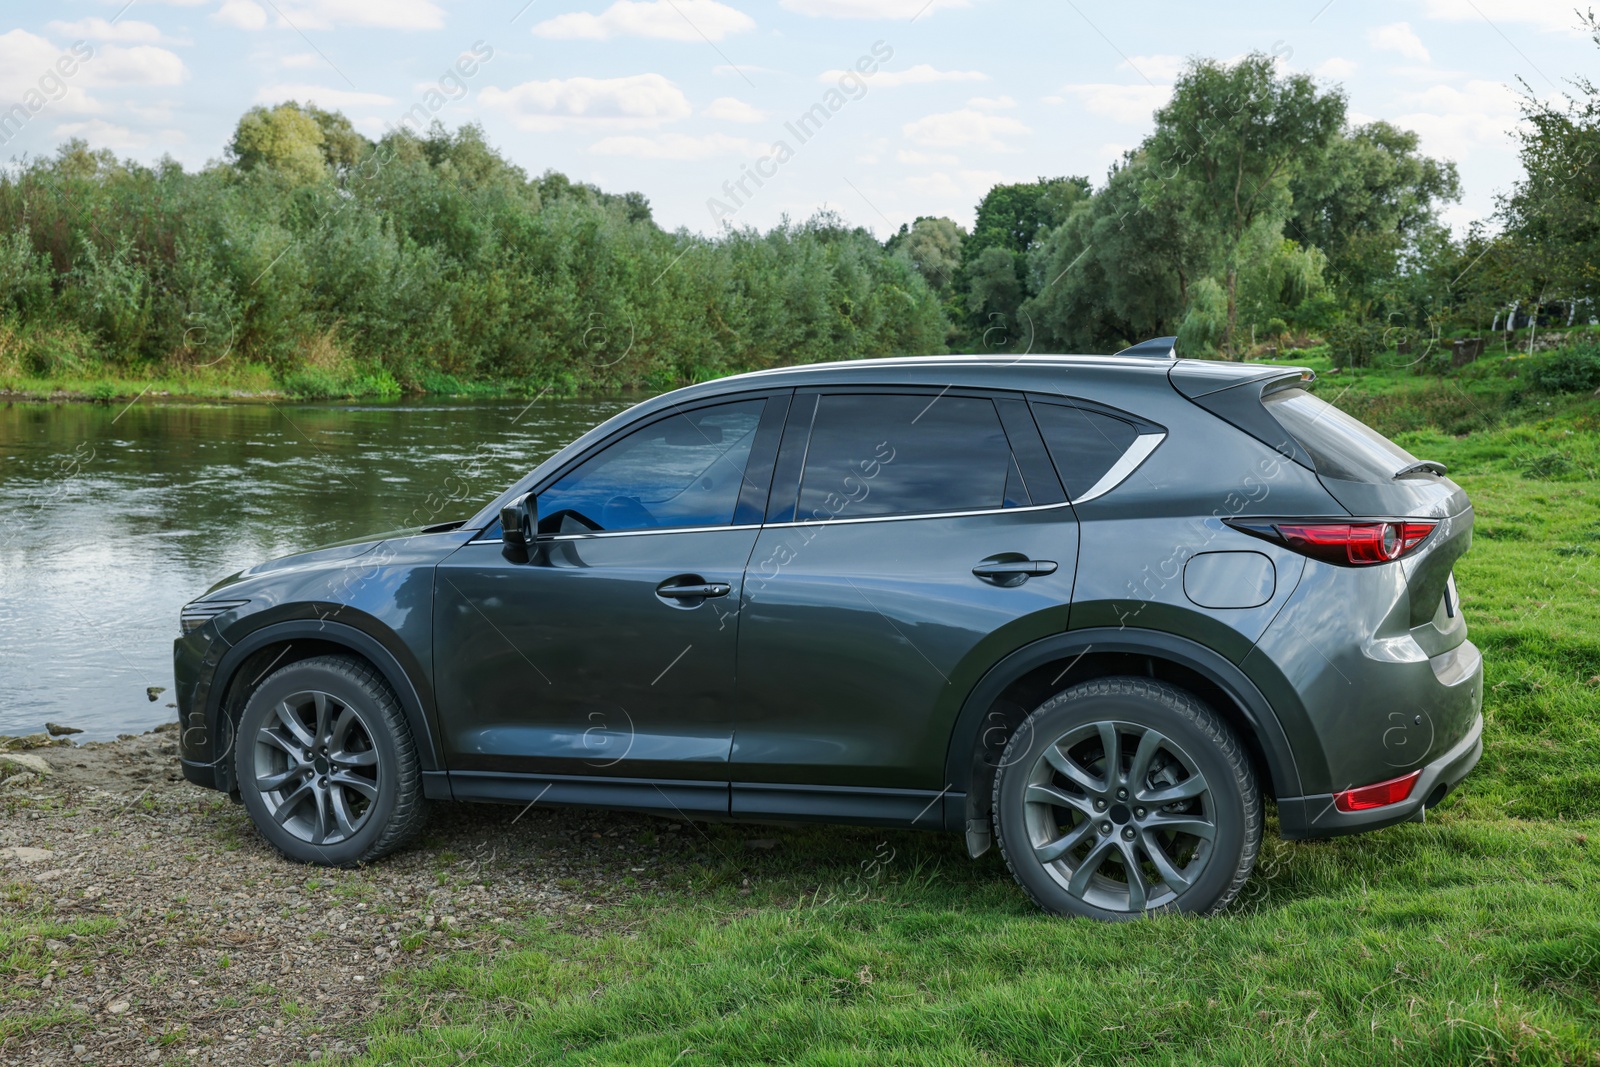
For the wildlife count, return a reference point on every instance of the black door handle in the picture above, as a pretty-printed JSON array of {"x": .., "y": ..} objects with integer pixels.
[
  {"x": 1013, "y": 571},
  {"x": 692, "y": 588}
]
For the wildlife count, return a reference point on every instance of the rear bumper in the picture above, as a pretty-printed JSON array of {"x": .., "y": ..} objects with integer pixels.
[{"x": 1316, "y": 816}]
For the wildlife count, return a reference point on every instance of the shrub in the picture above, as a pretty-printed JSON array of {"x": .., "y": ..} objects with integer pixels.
[
  {"x": 1354, "y": 344},
  {"x": 1571, "y": 370}
]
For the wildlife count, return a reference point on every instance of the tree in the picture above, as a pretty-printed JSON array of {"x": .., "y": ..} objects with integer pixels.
[
  {"x": 1228, "y": 145},
  {"x": 1367, "y": 206},
  {"x": 1010, "y": 218},
  {"x": 286, "y": 139},
  {"x": 342, "y": 146},
  {"x": 1552, "y": 216},
  {"x": 1118, "y": 270},
  {"x": 994, "y": 293},
  {"x": 932, "y": 245}
]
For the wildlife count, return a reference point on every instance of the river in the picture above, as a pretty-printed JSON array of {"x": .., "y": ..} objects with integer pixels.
[{"x": 113, "y": 516}]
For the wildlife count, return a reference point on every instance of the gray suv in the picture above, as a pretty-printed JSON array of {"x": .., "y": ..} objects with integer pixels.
[{"x": 1095, "y": 609}]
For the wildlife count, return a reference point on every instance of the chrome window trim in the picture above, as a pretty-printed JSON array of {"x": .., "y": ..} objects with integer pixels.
[
  {"x": 1130, "y": 460},
  {"x": 921, "y": 515}
]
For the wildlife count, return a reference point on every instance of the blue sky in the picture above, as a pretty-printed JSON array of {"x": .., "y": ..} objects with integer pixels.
[{"x": 680, "y": 99}]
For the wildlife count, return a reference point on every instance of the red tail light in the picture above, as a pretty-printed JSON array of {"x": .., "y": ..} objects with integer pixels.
[
  {"x": 1346, "y": 543},
  {"x": 1376, "y": 795}
]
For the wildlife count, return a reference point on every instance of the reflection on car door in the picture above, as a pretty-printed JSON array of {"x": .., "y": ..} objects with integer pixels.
[
  {"x": 905, "y": 528},
  {"x": 605, "y": 654}
]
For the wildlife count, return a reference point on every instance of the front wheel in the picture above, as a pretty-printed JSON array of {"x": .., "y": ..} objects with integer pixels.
[
  {"x": 1125, "y": 796},
  {"x": 326, "y": 764}
]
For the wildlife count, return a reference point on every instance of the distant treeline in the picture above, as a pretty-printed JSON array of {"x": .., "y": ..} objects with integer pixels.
[{"x": 1253, "y": 214}]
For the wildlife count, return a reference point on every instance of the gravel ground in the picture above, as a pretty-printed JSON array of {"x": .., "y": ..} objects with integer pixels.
[{"x": 145, "y": 921}]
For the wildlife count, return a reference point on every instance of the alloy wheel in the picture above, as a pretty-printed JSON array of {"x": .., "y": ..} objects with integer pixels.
[
  {"x": 316, "y": 767},
  {"x": 1120, "y": 815}
]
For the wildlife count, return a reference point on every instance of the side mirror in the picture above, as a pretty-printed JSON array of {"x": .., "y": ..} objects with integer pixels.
[{"x": 519, "y": 520}]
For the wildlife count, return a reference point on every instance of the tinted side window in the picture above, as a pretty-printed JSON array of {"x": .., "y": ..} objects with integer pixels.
[
  {"x": 1084, "y": 444},
  {"x": 885, "y": 454},
  {"x": 684, "y": 470}
]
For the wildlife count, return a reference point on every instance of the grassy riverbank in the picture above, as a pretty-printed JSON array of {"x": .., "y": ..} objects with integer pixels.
[{"x": 324, "y": 372}]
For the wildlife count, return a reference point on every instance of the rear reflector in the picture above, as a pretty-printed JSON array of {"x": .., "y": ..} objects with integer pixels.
[
  {"x": 1376, "y": 795},
  {"x": 1345, "y": 543}
]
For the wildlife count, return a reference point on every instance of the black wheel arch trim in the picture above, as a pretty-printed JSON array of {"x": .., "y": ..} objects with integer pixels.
[
  {"x": 1221, "y": 672},
  {"x": 417, "y": 704}
]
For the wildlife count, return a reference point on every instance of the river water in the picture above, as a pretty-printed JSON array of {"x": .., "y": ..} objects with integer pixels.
[{"x": 112, "y": 517}]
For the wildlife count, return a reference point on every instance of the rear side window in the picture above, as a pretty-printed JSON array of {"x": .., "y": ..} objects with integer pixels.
[
  {"x": 1341, "y": 446},
  {"x": 887, "y": 454},
  {"x": 1083, "y": 443}
]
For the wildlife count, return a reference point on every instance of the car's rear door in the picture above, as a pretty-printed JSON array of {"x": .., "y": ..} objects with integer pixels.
[{"x": 908, "y": 531}]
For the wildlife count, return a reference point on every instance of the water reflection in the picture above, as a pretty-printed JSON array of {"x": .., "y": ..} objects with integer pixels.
[{"x": 111, "y": 519}]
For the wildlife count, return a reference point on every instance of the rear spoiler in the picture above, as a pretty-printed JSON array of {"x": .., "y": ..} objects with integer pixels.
[{"x": 1234, "y": 394}]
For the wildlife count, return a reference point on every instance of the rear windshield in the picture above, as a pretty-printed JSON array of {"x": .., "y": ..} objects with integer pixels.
[{"x": 1341, "y": 447}]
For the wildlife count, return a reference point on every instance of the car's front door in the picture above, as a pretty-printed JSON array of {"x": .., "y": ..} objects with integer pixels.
[
  {"x": 906, "y": 530},
  {"x": 600, "y": 662}
]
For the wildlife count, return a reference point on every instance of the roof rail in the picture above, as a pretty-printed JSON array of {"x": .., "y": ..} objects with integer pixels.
[{"x": 1155, "y": 348}]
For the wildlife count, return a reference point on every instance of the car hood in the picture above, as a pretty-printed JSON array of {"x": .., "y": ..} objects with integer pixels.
[{"x": 338, "y": 552}]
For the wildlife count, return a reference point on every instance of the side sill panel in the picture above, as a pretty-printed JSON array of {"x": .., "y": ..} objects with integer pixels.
[{"x": 921, "y": 809}]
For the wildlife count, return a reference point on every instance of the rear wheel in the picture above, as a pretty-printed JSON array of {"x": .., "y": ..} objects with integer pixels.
[
  {"x": 1125, "y": 796},
  {"x": 326, "y": 764}
]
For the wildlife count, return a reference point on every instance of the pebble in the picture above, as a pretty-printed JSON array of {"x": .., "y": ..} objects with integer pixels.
[{"x": 23, "y": 854}]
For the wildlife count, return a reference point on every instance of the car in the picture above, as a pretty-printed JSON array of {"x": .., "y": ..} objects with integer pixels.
[{"x": 1097, "y": 610}]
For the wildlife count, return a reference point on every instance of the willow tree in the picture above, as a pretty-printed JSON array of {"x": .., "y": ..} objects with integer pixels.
[{"x": 1228, "y": 145}]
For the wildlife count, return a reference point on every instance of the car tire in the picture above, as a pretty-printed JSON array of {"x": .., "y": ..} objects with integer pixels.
[
  {"x": 326, "y": 765},
  {"x": 1175, "y": 827}
]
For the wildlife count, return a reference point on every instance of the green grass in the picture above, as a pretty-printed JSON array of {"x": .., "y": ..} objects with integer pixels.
[{"x": 1472, "y": 939}]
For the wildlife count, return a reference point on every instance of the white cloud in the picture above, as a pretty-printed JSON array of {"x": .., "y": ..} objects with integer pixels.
[
  {"x": 1544, "y": 14},
  {"x": 29, "y": 78},
  {"x": 241, "y": 15},
  {"x": 302, "y": 60},
  {"x": 140, "y": 65},
  {"x": 1453, "y": 122},
  {"x": 1158, "y": 68},
  {"x": 322, "y": 97},
  {"x": 921, "y": 74},
  {"x": 966, "y": 127},
  {"x": 1124, "y": 103},
  {"x": 729, "y": 109},
  {"x": 98, "y": 29},
  {"x": 670, "y": 20},
  {"x": 1399, "y": 37},
  {"x": 635, "y": 101},
  {"x": 991, "y": 103},
  {"x": 1335, "y": 68},
  {"x": 679, "y": 146},
  {"x": 377, "y": 14},
  {"x": 871, "y": 9}
]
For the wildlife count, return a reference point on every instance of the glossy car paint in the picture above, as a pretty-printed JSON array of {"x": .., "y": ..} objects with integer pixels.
[{"x": 858, "y": 680}]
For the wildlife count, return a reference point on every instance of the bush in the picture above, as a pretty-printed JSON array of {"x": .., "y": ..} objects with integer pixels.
[
  {"x": 1354, "y": 344},
  {"x": 1571, "y": 370}
]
